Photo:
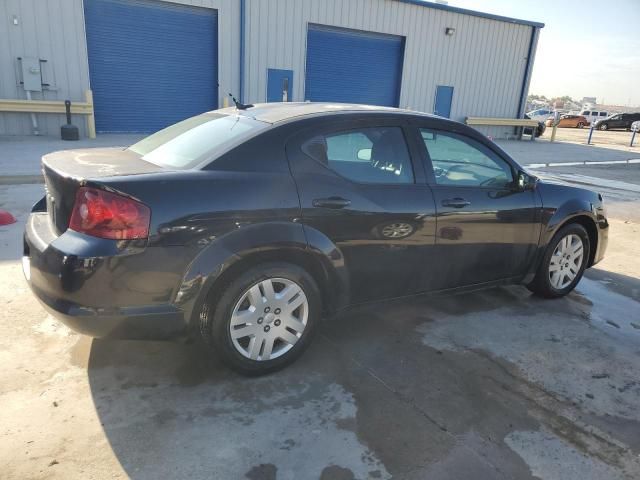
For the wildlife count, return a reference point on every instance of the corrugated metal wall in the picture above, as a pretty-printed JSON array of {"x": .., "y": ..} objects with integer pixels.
[
  {"x": 54, "y": 30},
  {"x": 484, "y": 61},
  {"x": 51, "y": 30}
]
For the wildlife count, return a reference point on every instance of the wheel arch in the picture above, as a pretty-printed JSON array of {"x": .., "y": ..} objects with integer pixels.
[
  {"x": 228, "y": 257},
  {"x": 590, "y": 226}
]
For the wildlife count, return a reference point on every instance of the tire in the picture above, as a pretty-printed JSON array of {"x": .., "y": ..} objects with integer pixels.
[
  {"x": 288, "y": 338},
  {"x": 580, "y": 125},
  {"x": 547, "y": 286},
  {"x": 604, "y": 126}
]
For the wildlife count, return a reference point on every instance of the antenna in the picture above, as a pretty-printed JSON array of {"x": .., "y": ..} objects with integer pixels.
[{"x": 240, "y": 106}]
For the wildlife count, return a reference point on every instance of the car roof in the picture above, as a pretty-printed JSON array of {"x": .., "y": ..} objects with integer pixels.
[{"x": 284, "y": 111}]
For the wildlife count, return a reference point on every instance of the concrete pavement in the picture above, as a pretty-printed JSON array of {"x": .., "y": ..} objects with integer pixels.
[{"x": 487, "y": 385}]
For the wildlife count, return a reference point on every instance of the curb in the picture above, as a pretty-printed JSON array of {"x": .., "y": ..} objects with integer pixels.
[
  {"x": 20, "y": 179},
  {"x": 574, "y": 164}
]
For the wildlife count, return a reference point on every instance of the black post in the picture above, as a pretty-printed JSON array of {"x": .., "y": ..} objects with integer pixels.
[
  {"x": 69, "y": 131},
  {"x": 67, "y": 106}
]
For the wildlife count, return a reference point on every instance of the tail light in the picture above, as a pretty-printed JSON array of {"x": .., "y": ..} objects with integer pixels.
[{"x": 108, "y": 215}]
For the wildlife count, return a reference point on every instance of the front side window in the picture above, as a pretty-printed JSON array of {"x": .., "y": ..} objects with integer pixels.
[
  {"x": 603, "y": 114},
  {"x": 463, "y": 162},
  {"x": 587, "y": 113},
  {"x": 366, "y": 155}
]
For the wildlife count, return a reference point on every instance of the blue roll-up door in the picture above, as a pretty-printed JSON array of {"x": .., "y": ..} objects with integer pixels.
[
  {"x": 151, "y": 63},
  {"x": 353, "y": 66}
]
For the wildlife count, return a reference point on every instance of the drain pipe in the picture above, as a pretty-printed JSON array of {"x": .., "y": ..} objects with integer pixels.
[{"x": 242, "y": 21}]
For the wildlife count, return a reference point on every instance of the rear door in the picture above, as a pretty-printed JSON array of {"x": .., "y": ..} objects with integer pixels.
[
  {"x": 486, "y": 229},
  {"x": 360, "y": 190}
]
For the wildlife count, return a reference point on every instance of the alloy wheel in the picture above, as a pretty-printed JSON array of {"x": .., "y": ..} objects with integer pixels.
[
  {"x": 269, "y": 319},
  {"x": 566, "y": 261}
]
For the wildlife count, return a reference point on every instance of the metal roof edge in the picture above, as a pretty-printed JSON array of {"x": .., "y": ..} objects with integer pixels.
[{"x": 475, "y": 13}]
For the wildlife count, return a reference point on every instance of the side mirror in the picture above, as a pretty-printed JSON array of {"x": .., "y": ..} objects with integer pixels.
[{"x": 526, "y": 181}]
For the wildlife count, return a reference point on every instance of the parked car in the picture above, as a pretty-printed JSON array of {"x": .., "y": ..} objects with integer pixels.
[
  {"x": 574, "y": 121},
  {"x": 247, "y": 227},
  {"x": 539, "y": 130},
  {"x": 594, "y": 115},
  {"x": 618, "y": 121},
  {"x": 541, "y": 114}
]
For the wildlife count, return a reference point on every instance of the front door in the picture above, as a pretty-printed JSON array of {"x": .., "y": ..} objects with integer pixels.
[
  {"x": 279, "y": 85},
  {"x": 486, "y": 229},
  {"x": 359, "y": 192}
]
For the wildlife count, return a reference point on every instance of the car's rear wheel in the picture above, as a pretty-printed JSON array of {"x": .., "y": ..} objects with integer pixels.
[
  {"x": 264, "y": 319},
  {"x": 580, "y": 125},
  {"x": 563, "y": 264}
]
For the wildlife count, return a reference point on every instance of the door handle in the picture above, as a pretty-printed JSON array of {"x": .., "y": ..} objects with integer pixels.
[
  {"x": 455, "y": 202},
  {"x": 331, "y": 202}
]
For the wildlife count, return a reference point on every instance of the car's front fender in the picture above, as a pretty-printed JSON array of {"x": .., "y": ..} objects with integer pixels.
[{"x": 581, "y": 205}]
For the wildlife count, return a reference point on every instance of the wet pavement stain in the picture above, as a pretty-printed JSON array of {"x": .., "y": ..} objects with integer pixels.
[
  {"x": 264, "y": 471},
  {"x": 334, "y": 472}
]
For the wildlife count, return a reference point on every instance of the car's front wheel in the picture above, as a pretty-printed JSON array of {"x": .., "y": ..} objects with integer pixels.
[
  {"x": 264, "y": 319},
  {"x": 604, "y": 126},
  {"x": 563, "y": 264}
]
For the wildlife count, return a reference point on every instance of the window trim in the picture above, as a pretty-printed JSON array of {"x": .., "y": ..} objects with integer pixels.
[
  {"x": 349, "y": 127},
  {"x": 428, "y": 164}
]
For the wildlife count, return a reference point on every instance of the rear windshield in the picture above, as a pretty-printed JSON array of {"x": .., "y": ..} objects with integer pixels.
[{"x": 196, "y": 139}]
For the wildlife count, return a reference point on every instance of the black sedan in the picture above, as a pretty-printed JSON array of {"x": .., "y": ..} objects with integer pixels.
[
  {"x": 618, "y": 121},
  {"x": 247, "y": 227}
]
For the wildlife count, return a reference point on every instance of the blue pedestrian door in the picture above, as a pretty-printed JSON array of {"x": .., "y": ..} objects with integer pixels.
[
  {"x": 353, "y": 66},
  {"x": 442, "y": 104},
  {"x": 151, "y": 63},
  {"x": 279, "y": 85}
]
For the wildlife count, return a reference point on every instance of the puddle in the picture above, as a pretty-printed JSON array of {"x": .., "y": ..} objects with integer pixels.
[
  {"x": 550, "y": 457},
  {"x": 568, "y": 346}
]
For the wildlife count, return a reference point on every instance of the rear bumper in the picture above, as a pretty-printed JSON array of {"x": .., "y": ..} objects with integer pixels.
[
  {"x": 92, "y": 293},
  {"x": 133, "y": 323}
]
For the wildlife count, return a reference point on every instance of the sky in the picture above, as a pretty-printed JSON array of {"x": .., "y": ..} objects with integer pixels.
[{"x": 588, "y": 48}]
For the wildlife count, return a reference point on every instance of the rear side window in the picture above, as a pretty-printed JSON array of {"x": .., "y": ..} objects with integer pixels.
[
  {"x": 587, "y": 113},
  {"x": 603, "y": 114},
  {"x": 196, "y": 139},
  {"x": 367, "y": 155},
  {"x": 462, "y": 162}
]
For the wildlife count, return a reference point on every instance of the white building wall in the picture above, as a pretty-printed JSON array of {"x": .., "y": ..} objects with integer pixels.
[
  {"x": 55, "y": 30},
  {"x": 51, "y": 30},
  {"x": 484, "y": 61}
]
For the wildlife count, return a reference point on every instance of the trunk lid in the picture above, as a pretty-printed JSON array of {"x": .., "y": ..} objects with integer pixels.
[{"x": 65, "y": 171}]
